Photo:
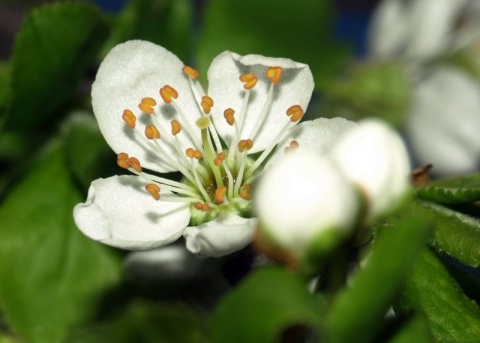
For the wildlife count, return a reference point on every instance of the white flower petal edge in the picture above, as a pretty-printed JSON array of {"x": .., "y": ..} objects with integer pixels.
[
  {"x": 221, "y": 236},
  {"x": 444, "y": 121},
  {"x": 373, "y": 156},
  {"x": 119, "y": 214},
  {"x": 295, "y": 88},
  {"x": 300, "y": 197},
  {"x": 131, "y": 71}
]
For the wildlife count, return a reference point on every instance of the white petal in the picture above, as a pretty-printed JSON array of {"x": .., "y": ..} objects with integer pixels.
[
  {"x": 130, "y": 72},
  {"x": 225, "y": 234},
  {"x": 300, "y": 197},
  {"x": 317, "y": 135},
  {"x": 373, "y": 156},
  {"x": 443, "y": 122},
  {"x": 120, "y": 213},
  {"x": 295, "y": 88}
]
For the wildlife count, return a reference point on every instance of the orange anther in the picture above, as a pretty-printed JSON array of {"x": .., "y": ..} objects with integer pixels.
[
  {"x": 295, "y": 113},
  {"x": 176, "y": 127},
  {"x": 207, "y": 104},
  {"x": 249, "y": 80},
  {"x": 202, "y": 206},
  {"x": 245, "y": 144},
  {"x": 147, "y": 104},
  {"x": 190, "y": 72},
  {"x": 190, "y": 152},
  {"x": 122, "y": 160},
  {"x": 197, "y": 154},
  {"x": 246, "y": 191},
  {"x": 274, "y": 74},
  {"x": 293, "y": 146},
  {"x": 129, "y": 118},
  {"x": 228, "y": 114},
  {"x": 151, "y": 132},
  {"x": 168, "y": 93},
  {"x": 135, "y": 164},
  {"x": 220, "y": 194},
  {"x": 219, "y": 159},
  {"x": 154, "y": 190}
]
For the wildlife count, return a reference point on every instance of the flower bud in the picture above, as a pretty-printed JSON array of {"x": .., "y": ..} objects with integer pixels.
[
  {"x": 303, "y": 198},
  {"x": 373, "y": 157}
]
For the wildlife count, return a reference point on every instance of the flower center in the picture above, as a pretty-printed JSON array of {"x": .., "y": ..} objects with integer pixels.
[{"x": 216, "y": 175}]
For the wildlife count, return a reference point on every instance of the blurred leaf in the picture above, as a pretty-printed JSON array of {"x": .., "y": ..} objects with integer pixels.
[
  {"x": 51, "y": 276},
  {"x": 88, "y": 155},
  {"x": 455, "y": 234},
  {"x": 452, "y": 190},
  {"x": 164, "y": 22},
  {"x": 370, "y": 90},
  {"x": 299, "y": 30},
  {"x": 416, "y": 330},
  {"x": 269, "y": 301},
  {"x": 358, "y": 312},
  {"x": 54, "y": 48},
  {"x": 4, "y": 90},
  {"x": 431, "y": 290},
  {"x": 148, "y": 323}
]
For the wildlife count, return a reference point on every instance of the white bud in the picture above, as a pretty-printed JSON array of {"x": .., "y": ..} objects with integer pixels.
[
  {"x": 373, "y": 156},
  {"x": 302, "y": 197}
]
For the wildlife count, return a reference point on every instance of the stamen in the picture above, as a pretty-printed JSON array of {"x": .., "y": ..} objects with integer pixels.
[
  {"x": 249, "y": 80},
  {"x": 293, "y": 146},
  {"x": 129, "y": 118},
  {"x": 228, "y": 114},
  {"x": 263, "y": 113},
  {"x": 199, "y": 184},
  {"x": 168, "y": 93},
  {"x": 274, "y": 74},
  {"x": 246, "y": 191},
  {"x": 135, "y": 164},
  {"x": 295, "y": 113},
  {"x": 220, "y": 195},
  {"x": 193, "y": 153},
  {"x": 122, "y": 160},
  {"x": 154, "y": 190},
  {"x": 147, "y": 104},
  {"x": 191, "y": 72},
  {"x": 176, "y": 127},
  {"x": 245, "y": 144},
  {"x": 219, "y": 159},
  {"x": 202, "y": 206},
  {"x": 151, "y": 132},
  {"x": 207, "y": 104}
]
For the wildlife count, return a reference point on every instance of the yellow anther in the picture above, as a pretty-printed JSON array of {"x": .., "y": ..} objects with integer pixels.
[
  {"x": 197, "y": 154},
  {"x": 249, "y": 80},
  {"x": 202, "y": 206},
  {"x": 176, "y": 127},
  {"x": 151, "y": 132},
  {"x": 129, "y": 118},
  {"x": 154, "y": 190},
  {"x": 293, "y": 146},
  {"x": 218, "y": 161},
  {"x": 295, "y": 113},
  {"x": 245, "y": 144},
  {"x": 147, "y": 105},
  {"x": 203, "y": 122},
  {"x": 274, "y": 74},
  {"x": 246, "y": 191},
  {"x": 207, "y": 104},
  {"x": 190, "y": 152},
  {"x": 228, "y": 114},
  {"x": 135, "y": 164},
  {"x": 220, "y": 195},
  {"x": 191, "y": 72},
  {"x": 168, "y": 93},
  {"x": 122, "y": 160}
]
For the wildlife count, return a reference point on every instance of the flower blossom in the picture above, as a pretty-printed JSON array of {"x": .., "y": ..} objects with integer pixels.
[{"x": 155, "y": 115}]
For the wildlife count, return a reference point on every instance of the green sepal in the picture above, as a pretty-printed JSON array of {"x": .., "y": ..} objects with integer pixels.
[{"x": 453, "y": 190}]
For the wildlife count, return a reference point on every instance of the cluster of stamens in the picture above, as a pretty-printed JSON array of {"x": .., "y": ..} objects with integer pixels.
[{"x": 215, "y": 173}]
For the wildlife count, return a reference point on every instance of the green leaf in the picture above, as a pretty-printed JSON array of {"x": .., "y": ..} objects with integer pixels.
[
  {"x": 4, "y": 90},
  {"x": 54, "y": 48},
  {"x": 299, "y": 30},
  {"x": 455, "y": 234},
  {"x": 416, "y": 329},
  {"x": 358, "y": 312},
  {"x": 51, "y": 276},
  {"x": 263, "y": 306},
  {"x": 452, "y": 190},
  {"x": 452, "y": 316}
]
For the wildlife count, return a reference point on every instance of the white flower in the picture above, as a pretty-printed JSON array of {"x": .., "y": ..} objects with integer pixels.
[
  {"x": 444, "y": 121},
  {"x": 170, "y": 124}
]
